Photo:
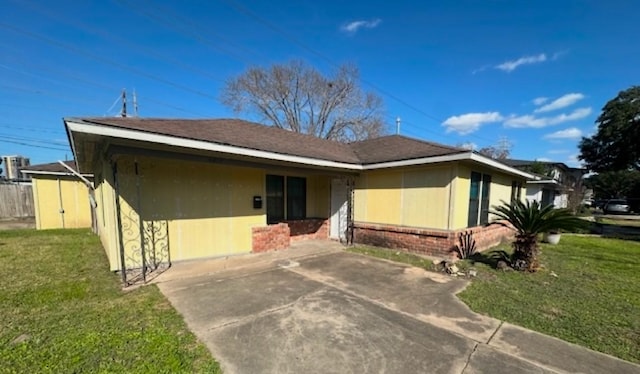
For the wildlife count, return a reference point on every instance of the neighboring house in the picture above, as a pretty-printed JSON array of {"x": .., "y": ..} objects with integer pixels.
[
  {"x": 169, "y": 190},
  {"x": 555, "y": 182},
  {"x": 60, "y": 198}
]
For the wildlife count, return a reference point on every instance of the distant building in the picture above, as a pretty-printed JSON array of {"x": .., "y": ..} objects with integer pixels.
[
  {"x": 13, "y": 166},
  {"x": 556, "y": 184}
]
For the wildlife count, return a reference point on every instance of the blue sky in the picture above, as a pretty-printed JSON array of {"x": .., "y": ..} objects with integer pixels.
[{"x": 461, "y": 72}]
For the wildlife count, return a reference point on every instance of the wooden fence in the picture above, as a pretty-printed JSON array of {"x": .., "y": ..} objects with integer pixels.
[{"x": 16, "y": 201}]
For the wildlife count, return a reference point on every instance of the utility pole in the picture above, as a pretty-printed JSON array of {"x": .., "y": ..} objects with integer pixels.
[
  {"x": 397, "y": 125},
  {"x": 123, "y": 112},
  {"x": 135, "y": 104},
  {"x": 504, "y": 146}
]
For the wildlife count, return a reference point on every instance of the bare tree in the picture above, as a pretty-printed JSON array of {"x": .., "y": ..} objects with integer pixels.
[
  {"x": 296, "y": 97},
  {"x": 495, "y": 152}
]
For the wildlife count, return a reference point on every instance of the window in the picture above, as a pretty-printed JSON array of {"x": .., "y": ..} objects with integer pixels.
[
  {"x": 275, "y": 198},
  {"x": 516, "y": 191},
  {"x": 479, "y": 194},
  {"x": 295, "y": 198}
]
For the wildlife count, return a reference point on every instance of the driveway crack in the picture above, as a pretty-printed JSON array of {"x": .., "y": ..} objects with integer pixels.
[
  {"x": 495, "y": 332},
  {"x": 475, "y": 347}
]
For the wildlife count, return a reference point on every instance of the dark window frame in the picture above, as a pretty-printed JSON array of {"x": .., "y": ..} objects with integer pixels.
[
  {"x": 479, "y": 199},
  {"x": 286, "y": 198},
  {"x": 516, "y": 191}
]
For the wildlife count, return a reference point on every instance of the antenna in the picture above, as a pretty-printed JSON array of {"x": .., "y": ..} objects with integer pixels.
[
  {"x": 123, "y": 113},
  {"x": 398, "y": 125}
]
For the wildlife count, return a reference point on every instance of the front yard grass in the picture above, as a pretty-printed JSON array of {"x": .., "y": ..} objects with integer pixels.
[
  {"x": 62, "y": 311},
  {"x": 587, "y": 293}
]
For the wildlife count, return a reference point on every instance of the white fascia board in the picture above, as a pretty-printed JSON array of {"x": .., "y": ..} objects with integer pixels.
[
  {"x": 40, "y": 172},
  {"x": 468, "y": 156},
  {"x": 499, "y": 165},
  {"x": 543, "y": 181},
  {"x": 417, "y": 161},
  {"x": 113, "y": 132}
]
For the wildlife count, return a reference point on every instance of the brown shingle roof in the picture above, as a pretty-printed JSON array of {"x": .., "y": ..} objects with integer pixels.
[
  {"x": 238, "y": 133},
  {"x": 53, "y": 167},
  {"x": 255, "y": 136},
  {"x": 398, "y": 147}
]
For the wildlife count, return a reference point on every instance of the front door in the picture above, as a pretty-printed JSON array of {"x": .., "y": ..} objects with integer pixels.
[{"x": 339, "y": 210}]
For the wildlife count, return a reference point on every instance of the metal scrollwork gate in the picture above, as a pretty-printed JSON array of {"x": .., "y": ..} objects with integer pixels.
[{"x": 143, "y": 240}]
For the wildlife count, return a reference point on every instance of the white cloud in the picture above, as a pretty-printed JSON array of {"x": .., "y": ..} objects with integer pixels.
[
  {"x": 539, "y": 100},
  {"x": 577, "y": 114},
  {"x": 561, "y": 102},
  {"x": 470, "y": 122},
  {"x": 469, "y": 145},
  {"x": 573, "y": 161},
  {"x": 543, "y": 159},
  {"x": 512, "y": 65},
  {"x": 526, "y": 121},
  {"x": 538, "y": 122},
  {"x": 558, "y": 151},
  {"x": 572, "y": 133},
  {"x": 354, "y": 26}
]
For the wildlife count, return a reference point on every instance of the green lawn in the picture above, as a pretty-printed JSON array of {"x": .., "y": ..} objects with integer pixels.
[
  {"x": 588, "y": 293},
  {"x": 61, "y": 310},
  {"x": 620, "y": 222}
]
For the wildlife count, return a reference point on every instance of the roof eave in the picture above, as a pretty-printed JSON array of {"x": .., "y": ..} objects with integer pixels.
[
  {"x": 462, "y": 156},
  {"x": 79, "y": 126},
  {"x": 74, "y": 125},
  {"x": 42, "y": 172}
]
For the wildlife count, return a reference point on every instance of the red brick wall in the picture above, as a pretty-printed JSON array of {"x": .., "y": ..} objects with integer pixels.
[
  {"x": 427, "y": 241},
  {"x": 269, "y": 238},
  {"x": 309, "y": 229}
]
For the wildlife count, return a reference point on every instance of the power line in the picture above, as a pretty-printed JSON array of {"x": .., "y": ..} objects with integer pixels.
[
  {"x": 37, "y": 140},
  {"x": 190, "y": 31},
  {"x": 104, "y": 60},
  {"x": 242, "y": 9},
  {"x": 30, "y": 129},
  {"x": 99, "y": 85},
  {"x": 33, "y": 145},
  {"x": 105, "y": 35}
]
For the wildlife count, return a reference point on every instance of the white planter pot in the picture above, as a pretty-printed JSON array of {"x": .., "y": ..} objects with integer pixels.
[{"x": 551, "y": 238}]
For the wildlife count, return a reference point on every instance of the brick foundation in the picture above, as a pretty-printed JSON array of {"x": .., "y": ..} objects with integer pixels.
[
  {"x": 270, "y": 238},
  {"x": 430, "y": 242},
  {"x": 279, "y": 236},
  {"x": 309, "y": 229}
]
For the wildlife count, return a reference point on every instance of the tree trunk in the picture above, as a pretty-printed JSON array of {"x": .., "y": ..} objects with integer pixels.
[{"x": 525, "y": 253}]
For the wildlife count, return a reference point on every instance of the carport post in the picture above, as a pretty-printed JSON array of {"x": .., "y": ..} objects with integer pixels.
[
  {"x": 123, "y": 268},
  {"x": 139, "y": 207}
]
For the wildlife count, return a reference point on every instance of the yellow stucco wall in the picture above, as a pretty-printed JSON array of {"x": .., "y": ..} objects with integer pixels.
[
  {"x": 318, "y": 202},
  {"x": 106, "y": 213},
  {"x": 409, "y": 197},
  {"x": 198, "y": 209},
  {"x": 435, "y": 197},
  {"x": 205, "y": 209},
  {"x": 500, "y": 190},
  {"x": 55, "y": 193}
]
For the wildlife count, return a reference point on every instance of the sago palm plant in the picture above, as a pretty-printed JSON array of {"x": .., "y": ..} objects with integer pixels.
[{"x": 528, "y": 220}]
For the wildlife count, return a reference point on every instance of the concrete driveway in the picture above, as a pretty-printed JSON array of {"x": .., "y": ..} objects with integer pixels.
[{"x": 336, "y": 312}]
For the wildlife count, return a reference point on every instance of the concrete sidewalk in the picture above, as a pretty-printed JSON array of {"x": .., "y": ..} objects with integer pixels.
[{"x": 305, "y": 310}]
